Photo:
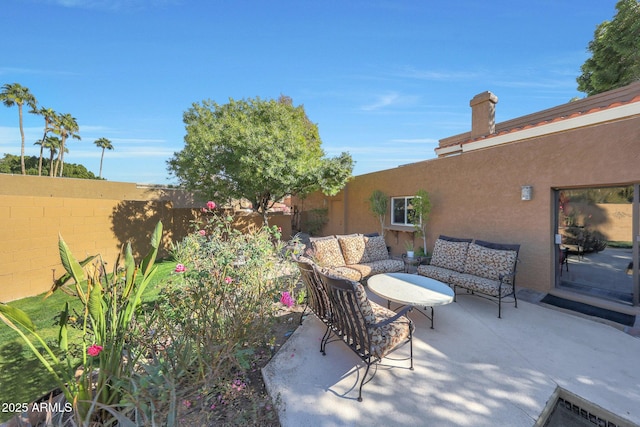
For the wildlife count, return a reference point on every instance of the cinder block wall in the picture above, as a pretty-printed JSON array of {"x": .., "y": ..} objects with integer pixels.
[{"x": 92, "y": 217}]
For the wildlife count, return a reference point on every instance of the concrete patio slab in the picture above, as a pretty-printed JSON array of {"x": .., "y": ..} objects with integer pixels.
[{"x": 473, "y": 369}]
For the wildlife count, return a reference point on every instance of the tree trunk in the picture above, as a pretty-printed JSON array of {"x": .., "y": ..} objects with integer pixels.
[
  {"x": 101, "y": 159},
  {"x": 22, "y": 135}
]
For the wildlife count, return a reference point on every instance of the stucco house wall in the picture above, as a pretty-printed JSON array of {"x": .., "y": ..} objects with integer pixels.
[{"x": 475, "y": 185}]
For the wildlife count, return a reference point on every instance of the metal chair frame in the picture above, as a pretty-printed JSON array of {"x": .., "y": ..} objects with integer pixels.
[{"x": 349, "y": 325}]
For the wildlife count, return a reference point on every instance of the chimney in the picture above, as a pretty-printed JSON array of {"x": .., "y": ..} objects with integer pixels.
[{"x": 483, "y": 114}]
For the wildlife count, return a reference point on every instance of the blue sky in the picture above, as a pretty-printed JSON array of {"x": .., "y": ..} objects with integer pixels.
[{"x": 384, "y": 80}]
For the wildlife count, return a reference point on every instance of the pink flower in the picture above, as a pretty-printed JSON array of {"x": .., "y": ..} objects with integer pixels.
[
  {"x": 286, "y": 299},
  {"x": 211, "y": 205},
  {"x": 228, "y": 280},
  {"x": 202, "y": 232},
  {"x": 180, "y": 268},
  {"x": 94, "y": 350}
]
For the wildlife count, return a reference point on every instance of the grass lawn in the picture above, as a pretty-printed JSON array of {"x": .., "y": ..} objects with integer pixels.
[{"x": 22, "y": 376}]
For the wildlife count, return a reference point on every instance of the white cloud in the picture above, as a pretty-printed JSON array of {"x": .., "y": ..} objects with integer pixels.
[
  {"x": 410, "y": 72},
  {"x": 391, "y": 99},
  {"x": 415, "y": 141}
]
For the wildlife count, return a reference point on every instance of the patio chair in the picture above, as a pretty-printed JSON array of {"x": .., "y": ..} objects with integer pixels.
[
  {"x": 367, "y": 328},
  {"x": 317, "y": 298}
]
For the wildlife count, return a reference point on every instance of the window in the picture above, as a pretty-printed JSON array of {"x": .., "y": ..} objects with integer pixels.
[{"x": 401, "y": 210}]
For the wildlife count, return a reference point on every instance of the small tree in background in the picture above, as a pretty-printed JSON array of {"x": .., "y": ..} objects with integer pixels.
[
  {"x": 419, "y": 215},
  {"x": 379, "y": 206}
]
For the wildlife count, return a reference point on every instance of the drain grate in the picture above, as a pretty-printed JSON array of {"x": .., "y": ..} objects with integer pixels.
[{"x": 567, "y": 409}]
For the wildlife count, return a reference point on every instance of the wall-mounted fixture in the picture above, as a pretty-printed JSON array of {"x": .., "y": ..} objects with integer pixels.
[{"x": 526, "y": 192}]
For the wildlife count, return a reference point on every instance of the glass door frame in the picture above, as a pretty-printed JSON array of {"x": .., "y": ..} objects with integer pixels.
[{"x": 635, "y": 238}]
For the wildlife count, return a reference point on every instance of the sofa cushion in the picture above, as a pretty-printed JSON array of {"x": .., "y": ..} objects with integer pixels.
[
  {"x": 481, "y": 284},
  {"x": 438, "y": 273},
  {"x": 327, "y": 252},
  {"x": 376, "y": 267},
  {"x": 375, "y": 249},
  {"x": 490, "y": 263},
  {"x": 352, "y": 248},
  {"x": 449, "y": 255}
]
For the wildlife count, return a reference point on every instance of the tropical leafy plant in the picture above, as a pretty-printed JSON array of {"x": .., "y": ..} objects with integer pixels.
[{"x": 109, "y": 303}]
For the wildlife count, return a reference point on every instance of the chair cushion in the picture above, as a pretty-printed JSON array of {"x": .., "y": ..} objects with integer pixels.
[
  {"x": 352, "y": 248},
  {"x": 350, "y": 272},
  {"x": 450, "y": 255},
  {"x": 375, "y": 249},
  {"x": 490, "y": 263},
  {"x": 327, "y": 252},
  {"x": 387, "y": 337},
  {"x": 363, "y": 302}
]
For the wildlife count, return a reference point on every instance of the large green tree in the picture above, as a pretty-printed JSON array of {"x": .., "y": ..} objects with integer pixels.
[
  {"x": 615, "y": 52},
  {"x": 259, "y": 150},
  {"x": 16, "y": 94}
]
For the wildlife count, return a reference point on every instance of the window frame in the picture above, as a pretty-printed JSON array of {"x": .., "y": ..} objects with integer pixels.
[{"x": 407, "y": 203}]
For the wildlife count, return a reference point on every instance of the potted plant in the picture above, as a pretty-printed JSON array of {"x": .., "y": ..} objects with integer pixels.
[
  {"x": 379, "y": 205},
  {"x": 408, "y": 245}
]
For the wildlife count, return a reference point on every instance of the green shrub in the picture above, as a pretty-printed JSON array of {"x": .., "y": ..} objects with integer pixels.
[{"x": 214, "y": 313}]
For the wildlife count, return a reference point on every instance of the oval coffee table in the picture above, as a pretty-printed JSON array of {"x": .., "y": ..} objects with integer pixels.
[{"x": 411, "y": 289}]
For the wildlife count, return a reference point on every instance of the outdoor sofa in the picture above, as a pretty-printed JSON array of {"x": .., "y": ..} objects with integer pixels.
[
  {"x": 484, "y": 268},
  {"x": 354, "y": 256}
]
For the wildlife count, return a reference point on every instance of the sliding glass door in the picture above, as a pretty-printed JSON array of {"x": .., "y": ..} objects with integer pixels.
[{"x": 596, "y": 242}]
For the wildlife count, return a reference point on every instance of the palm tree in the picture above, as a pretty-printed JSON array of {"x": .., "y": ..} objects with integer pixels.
[
  {"x": 105, "y": 144},
  {"x": 51, "y": 143},
  {"x": 49, "y": 118},
  {"x": 66, "y": 126},
  {"x": 16, "y": 94}
]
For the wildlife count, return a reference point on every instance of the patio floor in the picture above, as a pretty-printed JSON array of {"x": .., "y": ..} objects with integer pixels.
[{"x": 473, "y": 369}]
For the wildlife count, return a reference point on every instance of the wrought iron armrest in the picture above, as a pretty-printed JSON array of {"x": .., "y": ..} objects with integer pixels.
[
  {"x": 398, "y": 315},
  {"x": 424, "y": 260}
]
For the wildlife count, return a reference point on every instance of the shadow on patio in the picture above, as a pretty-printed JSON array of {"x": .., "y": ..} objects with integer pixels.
[{"x": 473, "y": 369}]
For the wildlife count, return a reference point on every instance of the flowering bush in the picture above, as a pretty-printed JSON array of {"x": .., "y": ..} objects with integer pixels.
[{"x": 219, "y": 304}]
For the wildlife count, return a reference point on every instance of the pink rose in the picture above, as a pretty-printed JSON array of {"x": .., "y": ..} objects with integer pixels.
[
  {"x": 180, "y": 268},
  {"x": 286, "y": 299},
  {"x": 202, "y": 232},
  {"x": 211, "y": 205},
  {"x": 94, "y": 350},
  {"x": 228, "y": 280}
]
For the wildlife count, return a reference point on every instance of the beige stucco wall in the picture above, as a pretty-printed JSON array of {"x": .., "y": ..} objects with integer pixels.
[
  {"x": 93, "y": 217},
  {"x": 477, "y": 194}
]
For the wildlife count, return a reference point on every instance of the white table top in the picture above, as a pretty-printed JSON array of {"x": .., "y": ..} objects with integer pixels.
[{"x": 410, "y": 289}]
